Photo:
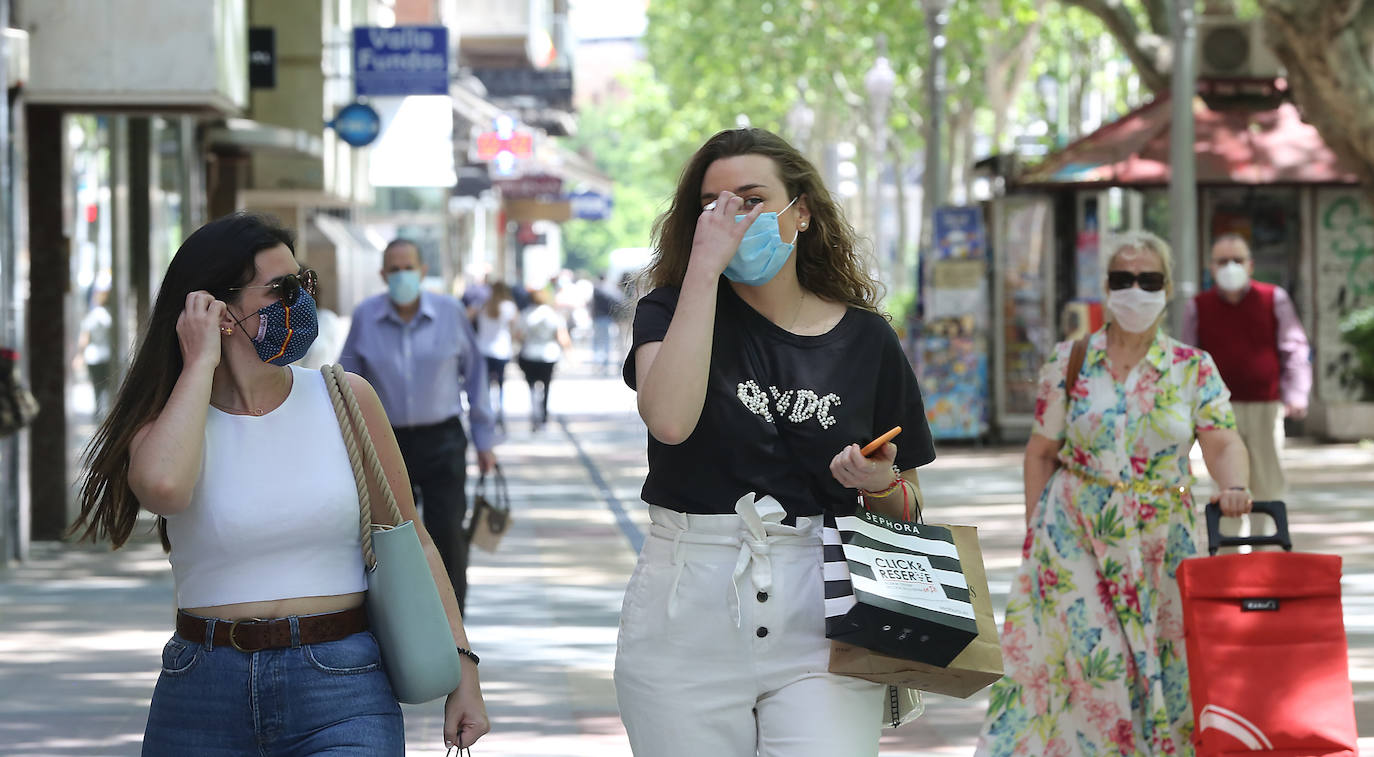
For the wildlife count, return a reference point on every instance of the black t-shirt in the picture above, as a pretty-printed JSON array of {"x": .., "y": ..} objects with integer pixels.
[{"x": 779, "y": 407}]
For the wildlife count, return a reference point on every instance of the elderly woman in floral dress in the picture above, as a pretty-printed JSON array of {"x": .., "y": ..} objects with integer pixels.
[{"x": 1093, "y": 641}]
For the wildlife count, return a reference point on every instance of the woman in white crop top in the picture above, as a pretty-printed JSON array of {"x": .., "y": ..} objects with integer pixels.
[{"x": 240, "y": 456}]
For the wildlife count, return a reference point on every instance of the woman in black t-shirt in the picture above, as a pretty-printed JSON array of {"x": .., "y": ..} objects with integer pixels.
[{"x": 761, "y": 366}]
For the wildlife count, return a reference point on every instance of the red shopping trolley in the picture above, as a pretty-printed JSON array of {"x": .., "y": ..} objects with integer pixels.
[{"x": 1267, "y": 656}]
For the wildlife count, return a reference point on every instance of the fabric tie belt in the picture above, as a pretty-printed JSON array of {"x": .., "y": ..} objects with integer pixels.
[
  {"x": 1134, "y": 486},
  {"x": 252, "y": 635},
  {"x": 761, "y": 531}
]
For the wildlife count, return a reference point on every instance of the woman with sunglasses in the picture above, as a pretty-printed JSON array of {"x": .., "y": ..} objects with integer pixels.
[
  {"x": 240, "y": 457},
  {"x": 1093, "y": 640}
]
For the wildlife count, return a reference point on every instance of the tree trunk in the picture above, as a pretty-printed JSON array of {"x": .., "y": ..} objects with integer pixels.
[
  {"x": 1328, "y": 62},
  {"x": 960, "y": 142},
  {"x": 1148, "y": 50},
  {"x": 903, "y": 272}
]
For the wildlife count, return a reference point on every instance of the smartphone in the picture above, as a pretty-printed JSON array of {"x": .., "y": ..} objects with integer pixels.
[{"x": 878, "y": 443}]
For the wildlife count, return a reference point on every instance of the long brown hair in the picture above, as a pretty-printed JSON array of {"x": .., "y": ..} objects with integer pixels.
[
  {"x": 500, "y": 292},
  {"x": 828, "y": 259},
  {"x": 215, "y": 258}
]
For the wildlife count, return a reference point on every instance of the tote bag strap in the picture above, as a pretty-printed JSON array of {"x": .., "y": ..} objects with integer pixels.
[{"x": 361, "y": 452}]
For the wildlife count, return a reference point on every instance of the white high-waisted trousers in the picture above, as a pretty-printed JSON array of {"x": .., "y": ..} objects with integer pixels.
[{"x": 722, "y": 649}]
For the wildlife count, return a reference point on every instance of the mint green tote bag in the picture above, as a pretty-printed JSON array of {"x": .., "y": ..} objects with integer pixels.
[{"x": 404, "y": 610}]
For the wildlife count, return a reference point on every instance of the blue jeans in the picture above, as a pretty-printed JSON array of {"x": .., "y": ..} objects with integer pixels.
[{"x": 331, "y": 698}]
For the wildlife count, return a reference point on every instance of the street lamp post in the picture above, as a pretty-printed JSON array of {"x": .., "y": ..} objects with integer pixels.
[
  {"x": 879, "y": 82},
  {"x": 934, "y": 189},
  {"x": 1182, "y": 174}
]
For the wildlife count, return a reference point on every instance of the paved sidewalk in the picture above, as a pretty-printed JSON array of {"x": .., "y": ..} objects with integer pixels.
[{"x": 81, "y": 628}]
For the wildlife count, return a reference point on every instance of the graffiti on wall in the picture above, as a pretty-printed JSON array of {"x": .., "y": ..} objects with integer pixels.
[{"x": 1344, "y": 281}]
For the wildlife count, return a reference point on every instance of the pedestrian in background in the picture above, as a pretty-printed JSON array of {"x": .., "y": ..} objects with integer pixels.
[
  {"x": 761, "y": 364},
  {"x": 419, "y": 351},
  {"x": 496, "y": 322},
  {"x": 1093, "y": 638},
  {"x": 94, "y": 348},
  {"x": 241, "y": 458},
  {"x": 606, "y": 302},
  {"x": 543, "y": 339},
  {"x": 1253, "y": 332}
]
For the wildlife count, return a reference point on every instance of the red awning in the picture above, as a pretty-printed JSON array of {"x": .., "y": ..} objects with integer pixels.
[{"x": 1232, "y": 147}]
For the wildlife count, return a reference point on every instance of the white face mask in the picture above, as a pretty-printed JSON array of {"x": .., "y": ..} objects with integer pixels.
[
  {"x": 1232, "y": 277},
  {"x": 1135, "y": 310}
]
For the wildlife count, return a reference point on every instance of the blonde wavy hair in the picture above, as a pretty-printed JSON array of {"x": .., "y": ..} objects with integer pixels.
[
  {"x": 1139, "y": 240},
  {"x": 829, "y": 263}
]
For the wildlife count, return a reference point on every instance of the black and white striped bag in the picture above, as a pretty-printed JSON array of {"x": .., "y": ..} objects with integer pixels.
[{"x": 896, "y": 588}]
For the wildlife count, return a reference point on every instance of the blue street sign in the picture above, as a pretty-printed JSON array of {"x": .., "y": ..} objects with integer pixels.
[
  {"x": 357, "y": 124},
  {"x": 590, "y": 206},
  {"x": 400, "y": 60}
]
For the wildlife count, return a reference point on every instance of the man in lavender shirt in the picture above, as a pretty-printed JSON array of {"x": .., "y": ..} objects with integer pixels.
[
  {"x": 420, "y": 354},
  {"x": 1252, "y": 331}
]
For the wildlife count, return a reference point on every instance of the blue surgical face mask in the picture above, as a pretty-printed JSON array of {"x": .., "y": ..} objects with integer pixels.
[
  {"x": 403, "y": 286},
  {"x": 761, "y": 253},
  {"x": 285, "y": 332}
]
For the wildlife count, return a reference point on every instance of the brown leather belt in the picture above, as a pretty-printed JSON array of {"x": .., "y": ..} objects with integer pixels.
[{"x": 250, "y": 635}]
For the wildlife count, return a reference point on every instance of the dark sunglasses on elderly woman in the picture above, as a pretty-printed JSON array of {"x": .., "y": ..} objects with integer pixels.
[
  {"x": 1150, "y": 281},
  {"x": 289, "y": 286}
]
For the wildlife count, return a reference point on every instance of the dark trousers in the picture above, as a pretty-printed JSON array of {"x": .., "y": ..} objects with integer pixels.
[
  {"x": 436, "y": 459},
  {"x": 496, "y": 379},
  {"x": 538, "y": 374}
]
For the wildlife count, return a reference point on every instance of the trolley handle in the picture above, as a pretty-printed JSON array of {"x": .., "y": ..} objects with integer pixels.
[{"x": 1274, "y": 509}]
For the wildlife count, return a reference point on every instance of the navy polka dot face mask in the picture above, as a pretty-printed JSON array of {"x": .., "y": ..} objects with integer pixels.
[{"x": 285, "y": 332}]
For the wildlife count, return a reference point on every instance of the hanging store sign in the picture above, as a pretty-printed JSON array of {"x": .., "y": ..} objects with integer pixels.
[
  {"x": 400, "y": 60},
  {"x": 262, "y": 57},
  {"x": 590, "y": 206},
  {"x": 357, "y": 124}
]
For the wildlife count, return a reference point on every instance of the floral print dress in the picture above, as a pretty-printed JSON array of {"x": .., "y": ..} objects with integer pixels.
[{"x": 1093, "y": 639}]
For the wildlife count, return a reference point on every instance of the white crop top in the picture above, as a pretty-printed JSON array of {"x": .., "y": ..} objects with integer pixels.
[{"x": 275, "y": 512}]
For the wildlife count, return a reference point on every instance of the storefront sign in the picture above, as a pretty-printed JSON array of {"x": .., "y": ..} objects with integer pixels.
[
  {"x": 550, "y": 88},
  {"x": 533, "y": 185},
  {"x": 518, "y": 142},
  {"x": 529, "y": 210},
  {"x": 357, "y": 124},
  {"x": 400, "y": 60}
]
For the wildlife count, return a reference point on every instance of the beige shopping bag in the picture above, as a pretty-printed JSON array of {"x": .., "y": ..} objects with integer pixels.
[
  {"x": 490, "y": 514},
  {"x": 978, "y": 666}
]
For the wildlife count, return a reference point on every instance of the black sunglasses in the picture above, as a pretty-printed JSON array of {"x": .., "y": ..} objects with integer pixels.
[
  {"x": 289, "y": 286},
  {"x": 1150, "y": 281}
]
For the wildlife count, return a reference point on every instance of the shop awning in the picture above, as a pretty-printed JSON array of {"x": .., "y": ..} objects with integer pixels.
[
  {"x": 247, "y": 135},
  {"x": 1270, "y": 146}
]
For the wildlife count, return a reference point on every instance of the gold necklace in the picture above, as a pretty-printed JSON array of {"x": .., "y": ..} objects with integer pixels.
[{"x": 239, "y": 410}]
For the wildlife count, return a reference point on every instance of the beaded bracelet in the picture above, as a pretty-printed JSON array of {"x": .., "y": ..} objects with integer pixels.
[{"x": 468, "y": 653}]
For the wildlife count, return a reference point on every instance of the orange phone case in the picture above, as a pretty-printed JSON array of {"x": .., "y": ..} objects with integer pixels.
[{"x": 878, "y": 443}]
